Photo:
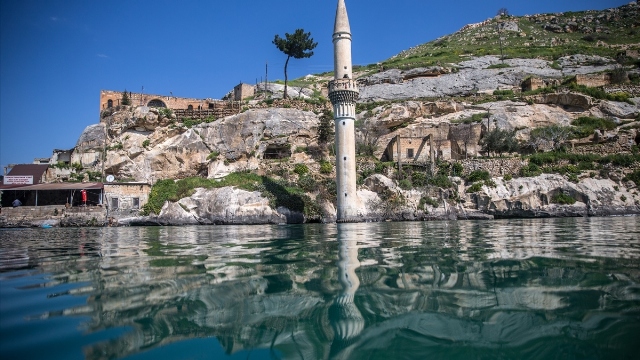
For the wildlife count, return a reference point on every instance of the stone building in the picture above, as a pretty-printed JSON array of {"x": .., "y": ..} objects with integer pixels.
[
  {"x": 534, "y": 83},
  {"x": 110, "y": 98},
  {"x": 422, "y": 144},
  {"x": 593, "y": 80},
  {"x": 126, "y": 196},
  {"x": 243, "y": 91}
]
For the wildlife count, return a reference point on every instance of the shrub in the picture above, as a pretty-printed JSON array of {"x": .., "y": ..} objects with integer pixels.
[
  {"x": 623, "y": 198},
  {"x": 405, "y": 184},
  {"x": 457, "y": 169},
  {"x": 146, "y": 143},
  {"x": 300, "y": 169},
  {"x": 475, "y": 187},
  {"x": 307, "y": 183},
  {"x": 634, "y": 176},
  {"x": 165, "y": 112},
  {"x": 441, "y": 181},
  {"x": 585, "y": 126},
  {"x": 418, "y": 178},
  {"x": 478, "y": 175},
  {"x": 503, "y": 92},
  {"x": 563, "y": 199},
  {"x": 326, "y": 167},
  {"x": 508, "y": 177},
  {"x": 530, "y": 170},
  {"x": 212, "y": 155}
]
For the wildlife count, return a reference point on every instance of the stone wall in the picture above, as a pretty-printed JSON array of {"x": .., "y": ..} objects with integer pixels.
[
  {"x": 496, "y": 167},
  {"x": 26, "y": 216},
  {"x": 593, "y": 80},
  {"x": 171, "y": 102},
  {"x": 126, "y": 196}
]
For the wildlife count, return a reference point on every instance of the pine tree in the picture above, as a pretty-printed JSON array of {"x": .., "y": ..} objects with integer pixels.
[
  {"x": 297, "y": 45},
  {"x": 125, "y": 98},
  {"x": 326, "y": 128}
]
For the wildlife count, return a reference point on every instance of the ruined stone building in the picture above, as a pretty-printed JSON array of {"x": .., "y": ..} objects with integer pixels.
[
  {"x": 110, "y": 98},
  {"x": 423, "y": 144}
]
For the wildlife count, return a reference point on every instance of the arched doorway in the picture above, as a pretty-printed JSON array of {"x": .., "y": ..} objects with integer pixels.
[
  {"x": 110, "y": 103},
  {"x": 157, "y": 103}
]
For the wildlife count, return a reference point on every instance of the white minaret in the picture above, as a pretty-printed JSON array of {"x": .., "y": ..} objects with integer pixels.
[{"x": 343, "y": 93}]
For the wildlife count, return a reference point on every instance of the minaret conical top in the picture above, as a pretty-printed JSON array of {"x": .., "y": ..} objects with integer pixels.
[{"x": 342, "y": 20}]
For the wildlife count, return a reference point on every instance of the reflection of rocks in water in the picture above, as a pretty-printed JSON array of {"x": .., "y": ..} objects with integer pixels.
[{"x": 262, "y": 288}]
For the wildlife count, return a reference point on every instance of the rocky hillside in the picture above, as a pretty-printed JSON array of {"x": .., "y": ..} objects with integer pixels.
[{"x": 501, "y": 147}]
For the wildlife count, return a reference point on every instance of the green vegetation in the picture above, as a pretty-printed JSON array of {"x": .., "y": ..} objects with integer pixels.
[
  {"x": 116, "y": 146},
  {"x": 326, "y": 167},
  {"x": 475, "y": 187},
  {"x": 537, "y": 44},
  {"x": 278, "y": 193},
  {"x": 213, "y": 155},
  {"x": 499, "y": 141},
  {"x": 634, "y": 176},
  {"x": 598, "y": 93},
  {"x": 563, "y": 199},
  {"x": 498, "y": 66},
  {"x": 585, "y": 126},
  {"x": 165, "y": 112},
  {"x": 125, "y": 100},
  {"x": 475, "y": 118},
  {"x": 146, "y": 143},
  {"x": 478, "y": 175},
  {"x": 300, "y": 169}
]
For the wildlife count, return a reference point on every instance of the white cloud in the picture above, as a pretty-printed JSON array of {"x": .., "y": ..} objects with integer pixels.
[{"x": 102, "y": 56}]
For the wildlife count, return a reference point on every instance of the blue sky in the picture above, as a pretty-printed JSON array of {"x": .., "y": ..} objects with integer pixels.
[{"x": 56, "y": 55}]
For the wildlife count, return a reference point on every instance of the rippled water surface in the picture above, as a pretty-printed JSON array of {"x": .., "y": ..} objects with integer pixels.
[{"x": 512, "y": 289}]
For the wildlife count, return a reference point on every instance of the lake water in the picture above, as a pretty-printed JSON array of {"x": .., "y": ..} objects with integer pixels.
[{"x": 509, "y": 289}]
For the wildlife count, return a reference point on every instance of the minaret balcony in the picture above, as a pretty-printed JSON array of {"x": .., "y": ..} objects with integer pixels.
[
  {"x": 343, "y": 84},
  {"x": 343, "y": 91}
]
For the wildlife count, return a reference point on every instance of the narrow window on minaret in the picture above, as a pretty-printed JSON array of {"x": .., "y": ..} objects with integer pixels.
[
  {"x": 345, "y": 194},
  {"x": 345, "y": 158},
  {"x": 343, "y": 123}
]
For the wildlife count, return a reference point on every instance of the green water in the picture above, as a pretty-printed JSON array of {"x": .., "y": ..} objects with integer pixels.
[{"x": 512, "y": 289}]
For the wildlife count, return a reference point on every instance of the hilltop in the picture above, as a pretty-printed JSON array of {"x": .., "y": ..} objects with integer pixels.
[{"x": 448, "y": 129}]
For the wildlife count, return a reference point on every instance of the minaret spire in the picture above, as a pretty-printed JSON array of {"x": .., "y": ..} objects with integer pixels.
[{"x": 343, "y": 93}]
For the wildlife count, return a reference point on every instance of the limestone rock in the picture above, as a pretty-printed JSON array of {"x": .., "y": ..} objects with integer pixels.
[
  {"x": 254, "y": 131},
  {"x": 570, "y": 100},
  {"x": 229, "y": 205},
  {"x": 533, "y": 197},
  {"x": 620, "y": 109},
  {"x": 92, "y": 137},
  {"x": 470, "y": 77}
]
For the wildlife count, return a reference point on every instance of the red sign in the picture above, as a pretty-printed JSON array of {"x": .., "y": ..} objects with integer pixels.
[{"x": 18, "y": 180}]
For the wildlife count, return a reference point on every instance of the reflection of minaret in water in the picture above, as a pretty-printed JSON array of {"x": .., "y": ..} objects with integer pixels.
[
  {"x": 346, "y": 320},
  {"x": 343, "y": 93}
]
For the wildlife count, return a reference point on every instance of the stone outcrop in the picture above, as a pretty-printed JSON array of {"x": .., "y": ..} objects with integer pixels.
[
  {"x": 534, "y": 197},
  {"x": 145, "y": 146}
]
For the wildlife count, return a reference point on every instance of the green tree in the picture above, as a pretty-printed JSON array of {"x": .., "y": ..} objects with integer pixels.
[
  {"x": 326, "y": 128},
  {"x": 297, "y": 45},
  {"x": 499, "y": 141},
  {"x": 125, "y": 98}
]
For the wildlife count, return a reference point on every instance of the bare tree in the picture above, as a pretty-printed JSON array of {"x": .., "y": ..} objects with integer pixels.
[
  {"x": 503, "y": 12},
  {"x": 463, "y": 133},
  {"x": 552, "y": 137},
  {"x": 369, "y": 133}
]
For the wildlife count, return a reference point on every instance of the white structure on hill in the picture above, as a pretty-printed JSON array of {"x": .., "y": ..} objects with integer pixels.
[{"x": 343, "y": 93}]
